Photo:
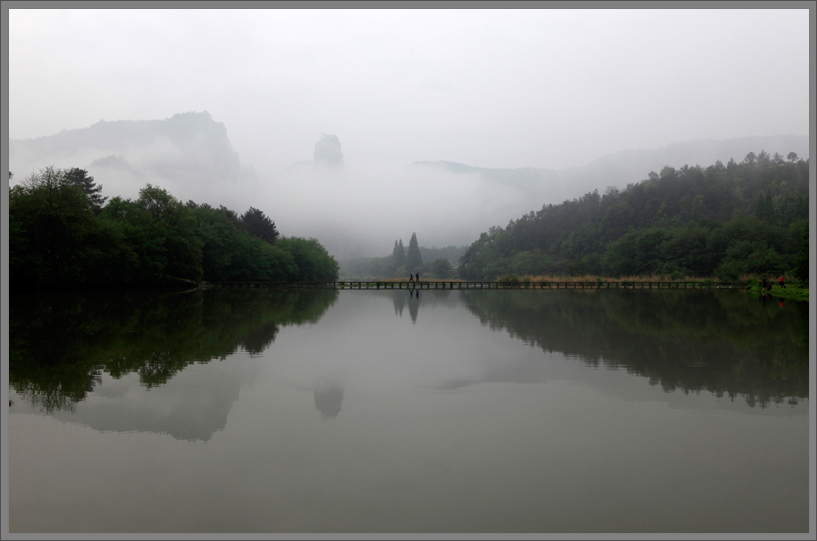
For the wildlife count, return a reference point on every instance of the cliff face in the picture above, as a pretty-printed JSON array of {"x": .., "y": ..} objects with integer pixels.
[
  {"x": 186, "y": 150},
  {"x": 327, "y": 151}
]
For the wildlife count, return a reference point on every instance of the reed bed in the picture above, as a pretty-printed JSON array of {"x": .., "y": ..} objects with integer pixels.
[{"x": 593, "y": 278}]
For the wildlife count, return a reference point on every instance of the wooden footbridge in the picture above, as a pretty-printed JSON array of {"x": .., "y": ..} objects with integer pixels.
[{"x": 432, "y": 284}]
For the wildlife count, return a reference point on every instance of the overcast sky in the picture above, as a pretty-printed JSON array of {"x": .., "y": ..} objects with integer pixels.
[{"x": 490, "y": 88}]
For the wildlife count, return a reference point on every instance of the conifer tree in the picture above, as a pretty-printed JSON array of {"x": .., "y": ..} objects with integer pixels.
[
  {"x": 81, "y": 178},
  {"x": 399, "y": 254},
  {"x": 413, "y": 257},
  {"x": 257, "y": 223}
]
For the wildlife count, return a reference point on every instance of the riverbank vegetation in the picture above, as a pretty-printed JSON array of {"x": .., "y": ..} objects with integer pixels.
[
  {"x": 794, "y": 291},
  {"x": 722, "y": 221},
  {"x": 61, "y": 236}
]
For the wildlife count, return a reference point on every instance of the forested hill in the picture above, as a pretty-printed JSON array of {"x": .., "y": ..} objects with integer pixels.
[
  {"x": 722, "y": 220},
  {"x": 63, "y": 234}
]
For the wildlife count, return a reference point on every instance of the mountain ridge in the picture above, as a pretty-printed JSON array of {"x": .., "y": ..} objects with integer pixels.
[{"x": 628, "y": 166}]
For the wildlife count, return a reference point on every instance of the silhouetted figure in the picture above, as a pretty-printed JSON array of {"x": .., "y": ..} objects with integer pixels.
[
  {"x": 411, "y": 278},
  {"x": 418, "y": 277},
  {"x": 782, "y": 283},
  {"x": 763, "y": 284}
]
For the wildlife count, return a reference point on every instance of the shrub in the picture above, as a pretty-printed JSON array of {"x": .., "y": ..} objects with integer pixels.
[
  {"x": 728, "y": 271},
  {"x": 509, "y": 279}
]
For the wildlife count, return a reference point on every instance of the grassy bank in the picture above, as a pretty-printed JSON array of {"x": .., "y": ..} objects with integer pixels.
[{"x": 789, "y": 292}]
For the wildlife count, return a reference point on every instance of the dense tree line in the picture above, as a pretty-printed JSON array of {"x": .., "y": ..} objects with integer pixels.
[
  {"x": 61, "y": 235},
  {"x": 722, "y": 220},
  {"x": 451, "y": 253}
]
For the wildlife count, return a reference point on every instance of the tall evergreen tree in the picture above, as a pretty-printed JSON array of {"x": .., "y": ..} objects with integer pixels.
[
  {"x": 81, "y": 178},
  {"x": 399, "y": 254},
  {"x": 256, "y": 223},
  {"x": 413, "y": 257}
]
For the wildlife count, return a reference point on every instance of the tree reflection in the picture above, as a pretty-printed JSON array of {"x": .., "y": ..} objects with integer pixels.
[
  {"x": 414, "y": 304},
  {"x": 61, "y": 343},
  {"x": 723, "y": 342},
  {"x": 328, "y": 400}
]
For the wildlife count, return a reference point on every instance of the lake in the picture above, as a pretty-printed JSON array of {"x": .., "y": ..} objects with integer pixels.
[{"x": 237, "y": 411}]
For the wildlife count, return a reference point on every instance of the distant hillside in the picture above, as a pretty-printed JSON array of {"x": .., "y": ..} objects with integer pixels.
[
  {"x": 725, "y": 220},
  {"x": 549, "y": 186},
  {"x": 631, "y": 166},
  {"x": 187, "y": 154}
]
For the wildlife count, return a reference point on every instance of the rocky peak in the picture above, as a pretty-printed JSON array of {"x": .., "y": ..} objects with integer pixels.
[{"x": 328, "y": 152}]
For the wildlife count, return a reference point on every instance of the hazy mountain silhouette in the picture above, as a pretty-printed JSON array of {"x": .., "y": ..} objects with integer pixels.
[
  {"x": 629, "y": 166},
  {"x": 327, "y": 151},
  {"x": 185, "y": 154}
]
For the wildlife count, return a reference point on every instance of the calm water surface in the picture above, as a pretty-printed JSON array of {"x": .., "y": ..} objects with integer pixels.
[{"x": 381, "y": 411}]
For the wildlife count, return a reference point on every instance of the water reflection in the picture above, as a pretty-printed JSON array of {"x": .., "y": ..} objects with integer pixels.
[
  {"x": 193, "y": 405},
  {"x": 413, "y": 302},
  {"x": 726, "y": 343},
  {"x": 328, "y": 398},
  {"x": 692, "y": 341},
  {"x": 151, "y": 336},
  {"x": 451, "y": 422},
  {"x": 399, "y": 301}
]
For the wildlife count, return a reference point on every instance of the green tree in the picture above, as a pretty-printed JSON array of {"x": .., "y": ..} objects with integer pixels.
[
  {"x": 765, "y": 207},
  {"x": 413, "y": 257},
  {"x": 399, "y": 254},
  {"x": 50, "y": 223},
  {"x": 257, "y": 223},
  {"x": 218, "y": 236},
  {"x": 170, "y": 226},
  {"x": 442, "y": 268},
  {"x": 801, "y": 264},
  {"x": 231, "y": 214},
  {"x": 256, "y": 259},
  {"x": 313, "y": 262},
  {"x": 81, "y": 178}
]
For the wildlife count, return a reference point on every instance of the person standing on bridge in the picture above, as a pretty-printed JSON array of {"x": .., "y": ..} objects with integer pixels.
[
  {"x": 411, "y": 278},
  {"x": 782, "y": 283},
  {"x": 418, "y": 277}
]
